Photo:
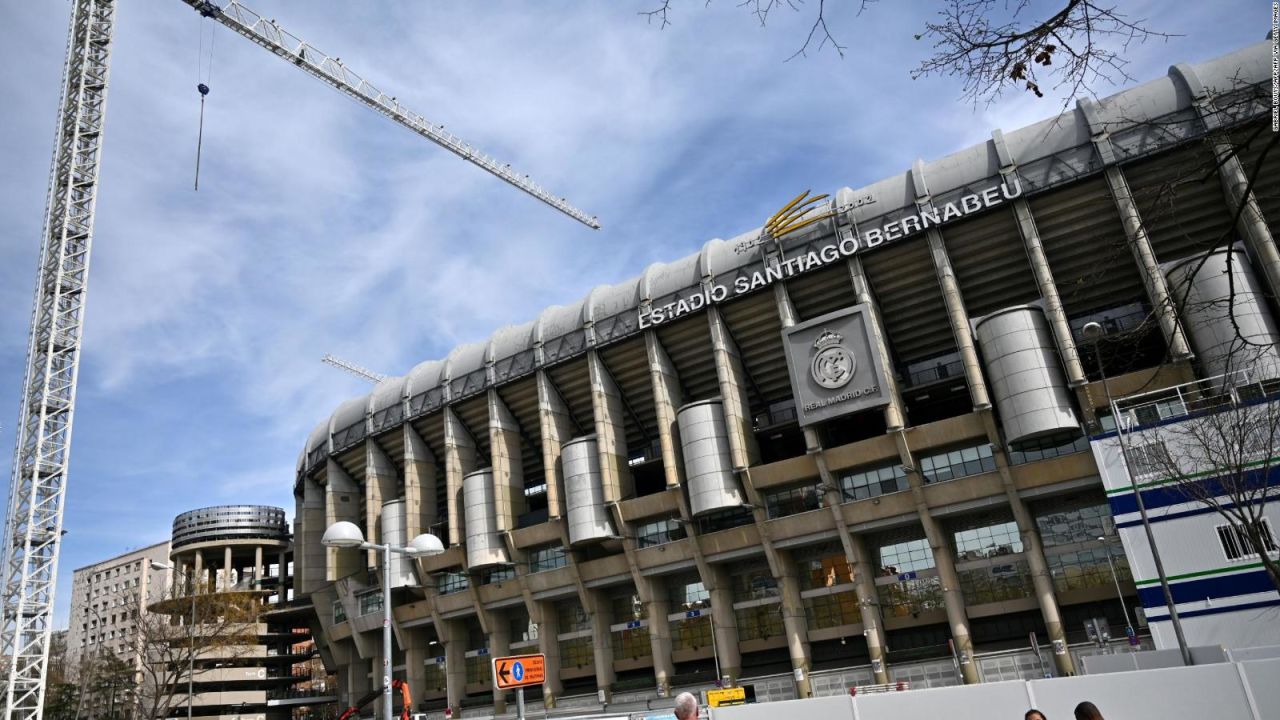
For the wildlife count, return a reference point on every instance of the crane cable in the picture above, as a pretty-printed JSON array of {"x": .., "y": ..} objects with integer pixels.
[{"x": 202, "y": 86}]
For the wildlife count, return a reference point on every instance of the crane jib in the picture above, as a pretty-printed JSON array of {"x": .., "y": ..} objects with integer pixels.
[{"x": 268, "y": 34}]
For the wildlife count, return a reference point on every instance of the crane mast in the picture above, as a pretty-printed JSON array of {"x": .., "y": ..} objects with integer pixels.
[
  {"x": 37, "y": 489},
  {"x": 38, "y": 485},
  {"x": 269, "y": 34}
]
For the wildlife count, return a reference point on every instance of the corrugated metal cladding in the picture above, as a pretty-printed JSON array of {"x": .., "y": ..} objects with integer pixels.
[
  {"x": 821, "y": 292},
  {"x": 705, "y": 445},
  {"x": 757, "y": 329},
  {"x": 521, "y": 398},
  {"x": 1091, "y": 260},
  {"x": 990, "y": 262},
  {"x": 906, "y": 288},
  {"x": 688, "y": 344},
  {"x": 1180, "y": 200},
  {"x": 574, "y": 385},
  {"x": 628, "y": 363},
  {"x": 474, "y": 414}
]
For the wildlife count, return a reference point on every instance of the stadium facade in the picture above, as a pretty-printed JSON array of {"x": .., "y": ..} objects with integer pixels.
[{"x": 860, "y": 450}]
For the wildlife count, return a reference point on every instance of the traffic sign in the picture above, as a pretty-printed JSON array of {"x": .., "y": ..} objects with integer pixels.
[{"x": 517, "y": 671}]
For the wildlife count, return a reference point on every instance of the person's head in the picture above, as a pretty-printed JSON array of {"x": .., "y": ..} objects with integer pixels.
[
  {"x": 1034, "y": 714},
  {"x": 686, "y": 706},
  {"x": 1087, "y": 711}
]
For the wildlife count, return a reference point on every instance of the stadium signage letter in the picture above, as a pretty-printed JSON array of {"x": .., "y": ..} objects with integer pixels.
[{"x": 847, "y": 243}]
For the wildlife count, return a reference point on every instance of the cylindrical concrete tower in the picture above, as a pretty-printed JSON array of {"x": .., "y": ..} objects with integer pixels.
[{"x": 232, "y": 561}]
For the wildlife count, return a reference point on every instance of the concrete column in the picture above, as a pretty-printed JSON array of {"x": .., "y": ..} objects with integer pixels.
[
  {"x": 310, "y": 557},
  {"x": 257, "y": 571},
  {"x": 197, "y": 576},
  {"x": 611, "y": 430},
  {"x": 893, "y": 412},
  {"x": 944, "y": 562},
  {"x": 732, "y": 376},
  {"x": 1136, "y": 233},
  {"x": 416, "y": 654},
  {"x": 726, "y": 622},
  {"x": 781, "y": 566},
  {"x": 1033, "y": 550},
  {"x": 499, "y": 646},
  {"x": 660, "y": 634},
  {"x": 602, "y": 642},
  {"x": 668, "y": 396},
  {"x": 1053, "y": 308},
  {"x": 863, "y": 570},
  {"x": 380, "y": 480},
  {"x": 419, "y": 484},
  {"x": 459, "y": 459},
  {"x": 228, "y": 574},
  {"x": 794, "y": 622},
  {"x": 1152, "y": 278},
  {"x": 357, "y": 679},
  {"x": 959, "y": 318},
  {"x": 340, "y": 503},
  {"x": 548, "y": 642},
  {"x": 455, "y": 662},
  {"x": 645, "y": 589},
  {"x": 557, "y": 427},
  {"x": 504, "y": 454}
]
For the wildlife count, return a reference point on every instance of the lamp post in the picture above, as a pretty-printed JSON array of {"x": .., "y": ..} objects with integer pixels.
[
  {"x": 191, "y": 634},
  {"x": 444, "y": 669},
  {"x": 1093, "y": 333},
  {"x": 1128, "y": 626},
  {"x": 346, "y": 535}
]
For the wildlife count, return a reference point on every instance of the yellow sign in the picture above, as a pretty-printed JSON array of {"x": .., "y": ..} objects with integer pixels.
[{"x": 726, "y": 696}]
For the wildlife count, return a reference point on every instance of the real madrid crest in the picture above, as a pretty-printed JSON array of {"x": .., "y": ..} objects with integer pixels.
[{"x": 832, "y": 366}]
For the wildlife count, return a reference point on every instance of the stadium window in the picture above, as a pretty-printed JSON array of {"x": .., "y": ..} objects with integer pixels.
[
  {"x": 958, "y": 463},
  {"x": 793, "y": 500},
  {"x": 1236, "y": 544},
  {"x": 452, "y": 582},
  {"x": 874, "y": 482},
  {"x": 659, "y": 532},
  {"x": 547, "y": 557}
]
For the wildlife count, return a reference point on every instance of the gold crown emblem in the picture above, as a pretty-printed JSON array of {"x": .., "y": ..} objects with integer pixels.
[{"x": 827, "y": 339}]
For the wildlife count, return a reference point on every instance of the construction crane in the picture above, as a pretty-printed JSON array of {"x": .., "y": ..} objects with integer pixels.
[
  {"x": 38, "y": 484},
  {"x": 353, "y": 368}
]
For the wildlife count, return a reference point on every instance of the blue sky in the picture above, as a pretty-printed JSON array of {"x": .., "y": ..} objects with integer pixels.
[{"x": 321, "y": 227}]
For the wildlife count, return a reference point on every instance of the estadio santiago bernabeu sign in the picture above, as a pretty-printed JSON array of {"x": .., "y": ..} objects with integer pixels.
[
  {"x": 846, "y": 243},
  {"x": 835, "y": 365}
]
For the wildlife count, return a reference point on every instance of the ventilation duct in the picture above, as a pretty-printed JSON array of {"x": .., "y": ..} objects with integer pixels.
[
  {"x": 484, "y": 544},
  {"x": 707, "y": 463},
  {"x": 1216, "y": 297},
  {"x": 1029, "y": 387},
  {"x": 395, "y": 533},
  {"x": 588, "y": 517}
]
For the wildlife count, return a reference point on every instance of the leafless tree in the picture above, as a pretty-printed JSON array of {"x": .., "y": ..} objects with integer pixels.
[
  {"x": 1223, "y": 456},
  {"x": 991, "y": 45},
  {"x": 185, "y": 631}
]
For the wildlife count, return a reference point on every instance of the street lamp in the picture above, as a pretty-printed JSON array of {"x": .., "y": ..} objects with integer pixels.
[
  {"x": 191, "y": 634},
  {"x": 346, "y": 535},
  {"x": 1128, "y": 626},
  {"x": 1092, "y": 332}
]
